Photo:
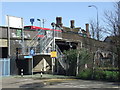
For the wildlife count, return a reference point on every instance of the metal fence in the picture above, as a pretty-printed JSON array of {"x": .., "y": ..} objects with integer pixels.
[{"x": 4, "y": 66}]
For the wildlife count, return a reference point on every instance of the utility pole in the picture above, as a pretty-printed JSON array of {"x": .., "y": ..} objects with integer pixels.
[
  {"x": 23, "y": 43},
  {"x": 43, "y": 21},
  {"x": 53, "y": 58},
  {"x": 8, "y": 34}
]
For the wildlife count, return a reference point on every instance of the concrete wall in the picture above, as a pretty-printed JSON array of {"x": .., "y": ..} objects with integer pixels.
[{"x": 42, "y": 62}]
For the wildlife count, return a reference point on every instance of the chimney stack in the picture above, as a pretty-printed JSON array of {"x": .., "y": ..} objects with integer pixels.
[
  {"x": 87, "y": 27},
  {"x": 72, "y": 22},
  {"x": 59, "y": 21},
  {"x": 87, "y": 30}
]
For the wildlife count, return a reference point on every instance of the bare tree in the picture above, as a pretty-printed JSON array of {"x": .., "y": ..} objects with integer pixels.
[
  {"x": 112, "y": 27},
  {"x": 93, "y": 30},
  {"x": 112, "y": 19}
]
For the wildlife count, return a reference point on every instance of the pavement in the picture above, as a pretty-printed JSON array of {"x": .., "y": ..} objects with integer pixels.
[{"x": 54, "y": 81}]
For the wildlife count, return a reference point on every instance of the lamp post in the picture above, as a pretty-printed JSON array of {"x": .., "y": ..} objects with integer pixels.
[
  {"x": 53, "y": 59},
  {"x": 39, "y": 21},
  {"x": 97, "y": 20},
  {"x": 53, "y": 25}
]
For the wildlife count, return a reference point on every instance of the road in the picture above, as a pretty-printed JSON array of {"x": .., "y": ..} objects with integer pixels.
[
  {"x": 23, "y": 82},
  {"x": 83, "y": 84}
]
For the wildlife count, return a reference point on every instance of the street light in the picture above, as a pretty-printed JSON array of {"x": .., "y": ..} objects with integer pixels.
[
  {"x": 53, "y": 59},
  {"x": 53, "y": 25},
  {"x": 39, "y": 21},
  {"x": 97, "y": 20}
]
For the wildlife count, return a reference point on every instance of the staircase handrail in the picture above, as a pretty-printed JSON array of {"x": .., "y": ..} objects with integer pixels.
[
  {"x": 60, "y": 56},
  {"x": 47, "y": 42},
  {"x": 34, "y": 38},
  {"x": 58, "y": 49},
  {"x": 38, "y": 46}
]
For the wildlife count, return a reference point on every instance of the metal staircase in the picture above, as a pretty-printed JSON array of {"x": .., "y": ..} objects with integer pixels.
[
  {"x": 33, "y": 43},
  {"x": 40, "y": 45},
  {"x": 60, "y": 58},
  {"x": 44, "y": 46},
  {"x": 34, "y": 40}
]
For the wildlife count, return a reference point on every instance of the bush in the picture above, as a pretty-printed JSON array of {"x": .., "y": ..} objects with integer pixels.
[
  {"x": 85, "y": 74},
  {"x": 111, "y": 75},
  {"x": 99, "y": 75}
]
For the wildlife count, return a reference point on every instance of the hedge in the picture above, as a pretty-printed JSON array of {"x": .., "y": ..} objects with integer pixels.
[{"x": 99, "y": 75}]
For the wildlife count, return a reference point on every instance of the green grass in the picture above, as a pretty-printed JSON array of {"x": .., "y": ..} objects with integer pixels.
[{"x": 38, "y": 76}]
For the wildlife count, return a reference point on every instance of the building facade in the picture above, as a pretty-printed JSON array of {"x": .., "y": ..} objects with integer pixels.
[{"x": 66, "y": 38}]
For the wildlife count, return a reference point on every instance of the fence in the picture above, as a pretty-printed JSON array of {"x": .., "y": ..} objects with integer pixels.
[{"x": 4, "y": 66}]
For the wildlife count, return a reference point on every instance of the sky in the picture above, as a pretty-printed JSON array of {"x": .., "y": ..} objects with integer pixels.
[{"x": 78, "y": 11}]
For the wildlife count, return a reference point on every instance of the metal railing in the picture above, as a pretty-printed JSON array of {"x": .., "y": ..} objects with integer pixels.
[
  {"x": 60, "y": 57},
  {"x": 34, "y": 39},
  {"x": 45, "y": 43},
  {"x": 41, "y": 45}
]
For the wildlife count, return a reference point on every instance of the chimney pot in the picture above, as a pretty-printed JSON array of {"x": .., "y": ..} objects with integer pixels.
[
  {"x": 87, "y": 27},
  {"x": 72, "y": 22},
  {"x": 59, "y": 21},
  {"x": 87, "y": 30}
]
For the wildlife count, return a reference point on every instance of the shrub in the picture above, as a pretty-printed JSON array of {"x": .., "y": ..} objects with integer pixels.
[
  {"x": 85, "y": 74},
  {"x": 111, "y": 75},
  {"x": 99, "y": 75}
]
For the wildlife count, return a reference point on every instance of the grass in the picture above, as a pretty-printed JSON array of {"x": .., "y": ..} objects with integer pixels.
[{"x": 44, "y": 76}]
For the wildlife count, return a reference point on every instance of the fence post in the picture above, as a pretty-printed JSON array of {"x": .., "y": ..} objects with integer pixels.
[{"x": 41, "y": 73}]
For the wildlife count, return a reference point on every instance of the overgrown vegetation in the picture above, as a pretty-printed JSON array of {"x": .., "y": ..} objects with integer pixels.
[
  {"x": 77, "y": 57},
  {"x": 83, "y": 57},
  {"x": 112, "y": 29},
  {"x": 99, "y": 75},
  {"x": 71, "y": 61}
]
